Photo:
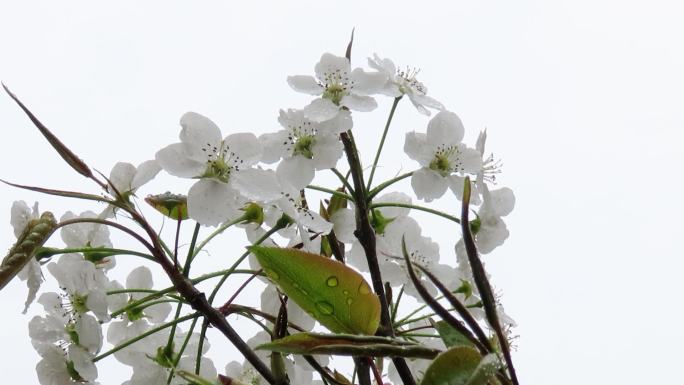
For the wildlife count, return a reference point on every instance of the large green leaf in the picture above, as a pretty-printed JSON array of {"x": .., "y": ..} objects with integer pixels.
[
  {"x": 348, "y": 345},
  {"x": 461, "y": 365},
  {"x": 331, "y": 292}
]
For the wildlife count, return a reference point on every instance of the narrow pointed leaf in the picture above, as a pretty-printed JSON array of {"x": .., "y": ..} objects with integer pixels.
[
  {"x": 331, "y": 292},
  {"x": 61, "y": 193},
  {"x": 75, "y": 162},
  {"x": 348, "y": 345},
  {"x": 461, "y": 365}
]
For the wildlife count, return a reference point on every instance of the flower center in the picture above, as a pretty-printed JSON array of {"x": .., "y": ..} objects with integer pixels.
[
  {"x": 220, "y": 162},
  {"x": 409, "y": 82},
  {"x": 337, "y": 85},
  {"x": 304, "y": 146},
  {"x": 447, "y": 160}
]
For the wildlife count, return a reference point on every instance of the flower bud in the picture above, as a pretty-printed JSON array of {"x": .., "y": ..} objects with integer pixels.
[{"x": 174, "y": 206}]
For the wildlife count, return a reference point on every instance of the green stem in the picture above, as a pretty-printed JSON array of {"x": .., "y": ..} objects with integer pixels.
[
  {"x": 372, "y": 193},
  {"x": 211, "y": 236},
  {"x": 382, "y": 141},
  {"x": 344, "y": 179},
  {"x": 147, "y": 333},
  {"x": 332, "y": 192},
  {"x": 191, "y": 250},
  {"x": 419, "y": 208},
  {"x": 182, "y": 348},
  {"x": 46, "y": 252}
]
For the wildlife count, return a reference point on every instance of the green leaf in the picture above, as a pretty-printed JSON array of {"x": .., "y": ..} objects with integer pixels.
[
  {"x": 451, "y": 336},
  {"x": 461, "y": 365},
  {"x": 331, "y": 292},
  {"x": 348, "y": 345}
]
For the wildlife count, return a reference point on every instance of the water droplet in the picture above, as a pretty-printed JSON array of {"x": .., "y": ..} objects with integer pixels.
[
  {"x": 332, "y": 281},
  {"x": 363, "y": 289},
  {"x": 295, "y": 285},
  {"x": 272, "y": 273},
  {"x": 345, "y": 292},
  {"x": 325, "y": 308},
  {"x": 349, "y": 301}
]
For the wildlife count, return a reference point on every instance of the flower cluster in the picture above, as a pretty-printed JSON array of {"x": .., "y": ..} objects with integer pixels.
[{"x": 264, "y": 185}]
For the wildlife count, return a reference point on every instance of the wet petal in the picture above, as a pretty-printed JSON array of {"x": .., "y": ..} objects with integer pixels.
[
  {"x": 359, "y": 103},
  {"x": 256, "y": 184},
  {"x": 175, "y": 161},
  {"x": 321, "y": 110},
  {"x": 146, "y": 172},
  {"x": 297, "y": 170},
  {"x": 211, "y": 203},
  {"x": 245, "y": 146},
  {"x": 306, "y": 84},
  {"x": 445, "y": 129},
  {"x": 427, "y": 184}
]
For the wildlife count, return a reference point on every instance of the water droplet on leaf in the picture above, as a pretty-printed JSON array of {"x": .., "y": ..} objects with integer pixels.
[
  {"x": 332, "y": 281},
  {"x": 325, "y": 308},
  {"x": 363, "y": 289}
]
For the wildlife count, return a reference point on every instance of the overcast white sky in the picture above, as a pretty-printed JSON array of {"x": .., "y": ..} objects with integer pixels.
[{"x": 582, "y": 100}]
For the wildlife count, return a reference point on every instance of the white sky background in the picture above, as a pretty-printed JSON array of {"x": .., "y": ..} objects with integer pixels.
[{"x": 582, "y": 101}]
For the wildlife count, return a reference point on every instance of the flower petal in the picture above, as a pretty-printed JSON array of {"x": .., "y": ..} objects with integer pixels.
[
  {"x": 211, "y": 202},
  {"x": 244, "y": 146},
  {"x": 394, "y": 197},
  {"x": 121, "y": 176},
  {"x": 331, "y": 64},
  {"x": 146, "y": 172},
  {"x": 415, "y": 146},
  {"x": 342, "y": 122},
  {"x": 321, "y": 110},
  {"x": 256, "y": 184},
  {"x": 198, "y": 132},
  {"x": 427, "y": 184},
  {"x": 273, "y": 146},
  {"x": 174, "y": 160},
  {"x": 368, "y": 83},
  {"x": 139, "y": 278},
  {"x": 326, "y": 152},
  {"x": 297, "y": 170},
  {"x": 445, "y": 129},
  {"x": 359, "y": 103},
  {"x": 306, "y": 84},
  {"x": 20, "y": 217}
]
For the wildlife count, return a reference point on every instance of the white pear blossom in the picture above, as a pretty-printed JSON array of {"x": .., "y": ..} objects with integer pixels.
[
  {"x": 20, "y": 216},
  {"x": 403, "y": 82},
  {"x": 224, "y": 167},
  {"x": 60, "y": 367},
  {"x": 418, "y": 366},
  {"x": 304, "y": 145},
  {"x": 338, "y": 86},
  {"x": 84, "y": 284},
  {"x": 87, "y": 234},
  {"x": 442, "y": 156},
  {"x": 125, "y": 179},
  {"x": 139, "y": 278}
]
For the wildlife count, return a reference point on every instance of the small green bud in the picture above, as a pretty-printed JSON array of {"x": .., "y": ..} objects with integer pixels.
[
  {"x": 284, "y": 221},
  {"x": 174, "y": 206},
  {"x": 475, "y": 225},
  {"x": 379, "y": 222},
  {"x": 254, "y": 213}
]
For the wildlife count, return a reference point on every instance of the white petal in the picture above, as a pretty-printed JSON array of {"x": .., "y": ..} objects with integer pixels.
[
  {"x": 359, "y": 103},
  {"x": 297, "y": 170},
  {"x": 306, "y": 84},
  {"x": 139, "y": 278},
  {"x": 326, "y": 152},
  {"x": 157, "y": 313},
  {"x": 426, "y": 101},
  {"x": 314, "y": 222},
  {"x": 256, "y": 184},
  {"x": 456, "y": 184},
  {"x": 416, "y": 147},
  {"x": 471, "y": 161},
  {"x": 342, "y": 122},
  {"x": 427, "y": 184},
  {"x": 211, "y": 202},
  {"x": 34, "y": 277},
  {"x": 331, "y": 64},
  {"x": 83, "y": 363},
  {"x": 245, "y": 146},
  {"x": 394, "y": 197},
  {"x": 492, "y": 234},
  {"x": 174, "y": 160},
  {"x": 89, "y": 333},
  {"x": 382, "y": 65},
  {"x": 20, "y": 217},
  {"x": 321, "y": 110},
  {"x": 273, "y": 146},
  {"x": 344, "y": 222},
  {"x": 121, "y": 176},
  {"x": 146, "y": 172},
  {"x": 368, "y": 83},
  {"x": 198, "y": 132},
  {"x": 501, "y": 201},
  {"x": 445, "y": 129}
]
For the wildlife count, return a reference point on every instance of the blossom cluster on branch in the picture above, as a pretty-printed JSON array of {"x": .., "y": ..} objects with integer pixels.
[{"x": 313, "y": 256}]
